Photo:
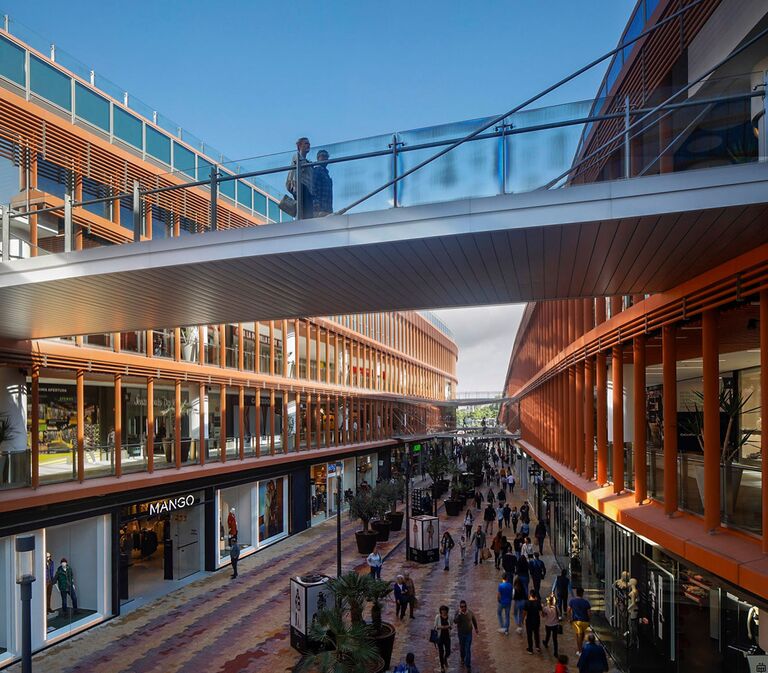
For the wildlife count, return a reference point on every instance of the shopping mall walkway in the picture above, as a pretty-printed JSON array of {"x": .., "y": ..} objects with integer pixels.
[{"x": 218, "y": 625}]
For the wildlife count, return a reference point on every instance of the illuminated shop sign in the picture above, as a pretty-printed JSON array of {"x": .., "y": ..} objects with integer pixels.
[{"x": 171, "y": 504}]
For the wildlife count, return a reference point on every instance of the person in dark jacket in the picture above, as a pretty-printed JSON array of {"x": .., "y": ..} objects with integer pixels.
[
  {"x": 478, "y": 499},
  {"x": 489, "y": 516},
  {"x": 234, "y": 557},
  {"x": 523, "y": 572},
  {"x": 593, "y": 658},
  {"x": 537, "y": 571},
  {"x": 540, "y": 533},
  {"x": 402, "y": 596},
  {"x": 322, "y": 184}
]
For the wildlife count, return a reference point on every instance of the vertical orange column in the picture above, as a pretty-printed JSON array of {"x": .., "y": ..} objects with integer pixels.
[
  {"x": 177, "y": 423},
  {"x": 566, "y": 417},
  {"x": 764, "y": 411},
  {"x": 589, "y": 418},
  {"x": 257, "y": 413},
  {"x": 589, "y": 317},
  {"x": 669, "y": 413},
  {"x": 241, "y": 419},
  {"x": 638, "y": 429},
  {"x": 223, "y": 428},
  {"x": 285, "y": 349},
  {"x": 201, "y": 421},
  {"x": 571, "y": 417},
  {"x": 599, "y": 310},
  {"x": 578, "y": 317},
  {"x": 118, "y": 426},
  {"x": 297, "y": 428},
  {"x": 80, "y": 425},
  {"x": 34, "y": 424},
  {"x": 617, "y": 364},
  {"x": 578, "y": 412},
  {"x": 150, "y": 424},
  {"x": 272, "y": 422},
  {"x": 561, "y": 413},
  {"x": 711, "y": 420},
  {"x": 601, "y": 431}
]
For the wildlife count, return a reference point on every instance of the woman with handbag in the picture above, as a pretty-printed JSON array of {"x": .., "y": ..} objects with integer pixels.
[
  {"x": 441, "y": 636},
  {"x": 552, "y": 624}
]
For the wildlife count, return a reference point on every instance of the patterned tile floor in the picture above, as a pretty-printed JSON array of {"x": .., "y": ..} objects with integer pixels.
[{"x": 219, "y": 625}]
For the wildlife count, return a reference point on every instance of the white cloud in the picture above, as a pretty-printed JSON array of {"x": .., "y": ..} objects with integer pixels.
[{"x": 485, "y": 335}]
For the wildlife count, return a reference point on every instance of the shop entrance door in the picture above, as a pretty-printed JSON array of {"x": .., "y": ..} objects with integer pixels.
[{"x": 185, "y": 534}]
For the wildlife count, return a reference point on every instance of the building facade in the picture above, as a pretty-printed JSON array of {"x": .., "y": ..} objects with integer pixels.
[
  {"x": 640, "y": 417},
  {"x": 141, "y": 457}
]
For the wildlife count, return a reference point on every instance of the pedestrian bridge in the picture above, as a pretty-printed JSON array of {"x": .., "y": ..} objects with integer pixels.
[{"x": 632, "y": 236}]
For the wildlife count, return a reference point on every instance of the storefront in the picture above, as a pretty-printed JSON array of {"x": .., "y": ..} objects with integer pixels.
[
  {"x": 161, "y": 542},
  {"x": 367, "y": 470},
  {"x": 253, "y": 515},
  {"x": 325, "y": 480},
  {"x": 653, "y": 611},
  {"x": 73, "y": 567}
]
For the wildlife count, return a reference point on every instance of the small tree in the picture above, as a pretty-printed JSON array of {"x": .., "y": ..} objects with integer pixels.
[
  {"x": 364, "y": 507},
  {"x": 389, "y": 493}
]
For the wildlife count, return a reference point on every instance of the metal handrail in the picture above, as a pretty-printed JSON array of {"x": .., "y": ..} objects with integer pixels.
[{"x": 658, "y": 107}]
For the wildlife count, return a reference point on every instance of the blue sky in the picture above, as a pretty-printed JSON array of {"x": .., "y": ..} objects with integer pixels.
[{"x": 250, "y": 77}]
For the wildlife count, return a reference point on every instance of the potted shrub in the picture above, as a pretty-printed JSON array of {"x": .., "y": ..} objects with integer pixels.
[
  {"x": 189, "y": 344},
  {"x": 344, "y": 647},
  {"x": 381, "y": 524},
  {"x": 383, "y": 633},
  {"x": 395, "y": 491},
  {"x": 364, "y": 507}
]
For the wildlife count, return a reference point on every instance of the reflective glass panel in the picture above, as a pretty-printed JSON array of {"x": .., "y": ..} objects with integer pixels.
[
  {"x": 91, "y": 107},
  {"x": 12, "y": 61},
  {"x": 184, "y": 160},
  {"x": 243, "y": 195},
  {"x": 126, "y": 127},
  {"x": 158, "y": 145},
  {"x": 227, "y": 188},
  {"x": 50, "y": 83},
  {"x": 259, "y": 202}
]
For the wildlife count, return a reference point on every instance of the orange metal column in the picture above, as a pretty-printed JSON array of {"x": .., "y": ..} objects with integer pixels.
[
  {"x": 201, "y": 422},
  {"x": 711, "y": 404},
  {"x": 241, "y": 419},
  {"x": 589, "y": 418},
  {"x": 80, "y": 425},
  {"x": 669, "y": 414},
  {"x": 271, "y": 347},
  {"x": 271, "y": 421},
  {"x": 599, "y": 310},
  {"x": 297, "y": 423},
  {"x": 763, "y": 411},
  {"x": 35, "y": 425},
  {"x": 257, "y": 400},
  {"x": 572, "y": 407},
  {"x": 560, "y": 418},
  {"x": 284, "y": 349},
  {"x": 150, "y": 424},
  {"x": 601, "y": 431},
  {"x": 589, "y": 317},
  {"x": 118, "y": 425},
  {"x": 617, "y": 364},
  {"x": 638, "y": 429},
  {"x": 223, "y": 423},
  {"x": 578, "y": 412},
  {"x": 177, "y": 423},
  {"x": 578, "y": 316}
]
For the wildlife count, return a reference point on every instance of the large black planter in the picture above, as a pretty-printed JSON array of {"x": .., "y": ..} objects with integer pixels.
[
  {"x": 382, "y": 529},
  {"x": 385, "y": 642},
  {"x": 453, "y": 507},
  {"x": 366, "y": 541},
  {"x": 395, "y": 521}
]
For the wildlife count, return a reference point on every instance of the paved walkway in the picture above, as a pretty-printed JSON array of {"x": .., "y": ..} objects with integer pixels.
[{"x": 218, "y": 625}]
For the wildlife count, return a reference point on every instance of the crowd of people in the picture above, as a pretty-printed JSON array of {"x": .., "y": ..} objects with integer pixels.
[{"x": 505, "y": 534}]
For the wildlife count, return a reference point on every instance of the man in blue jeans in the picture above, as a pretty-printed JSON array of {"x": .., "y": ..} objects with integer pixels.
[
  {"x": 504, "y": 598},
  {"x": 465, "y": 621}
]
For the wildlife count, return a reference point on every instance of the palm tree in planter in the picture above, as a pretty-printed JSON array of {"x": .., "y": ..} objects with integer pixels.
[
  {"x": 383, "y": 632},
  {"x": 344, "y": 646},
  {"x": 364, "y": 506}
]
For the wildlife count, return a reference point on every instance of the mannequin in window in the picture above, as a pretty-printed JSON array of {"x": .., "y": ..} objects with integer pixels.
[
  {"x": 633, "y": 611},
  {"x": 65, "y": 581},
  {"x": 49, "y": 575},
  {"x": 753, "y": 630},
  {"x": 232, "y": 526}
]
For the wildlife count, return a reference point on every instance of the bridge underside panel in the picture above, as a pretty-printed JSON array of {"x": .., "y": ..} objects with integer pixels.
[{"x": 640, "y": 236}]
